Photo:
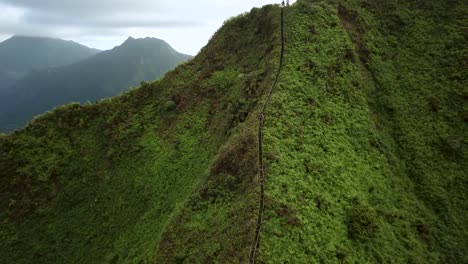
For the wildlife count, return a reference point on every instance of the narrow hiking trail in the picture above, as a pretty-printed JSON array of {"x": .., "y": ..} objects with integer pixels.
[{"x": 261, "y": 166}]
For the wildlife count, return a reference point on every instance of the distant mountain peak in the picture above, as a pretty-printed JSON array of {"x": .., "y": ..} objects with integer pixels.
[
  {"x": 22, "y": 54},
  {"x": 43, "y": 39},
  {"x": 102, "y": 75},
  {"x": 147, "y": 43},
  {"x": 24, "y": 36},
  {"x": 31, "y": 37},
  {"x": 27, "y": 36},
  {"x": 143, "y": 40}
]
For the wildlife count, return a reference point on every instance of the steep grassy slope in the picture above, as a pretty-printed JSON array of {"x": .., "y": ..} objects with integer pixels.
[
  {"x": 104, "y": 183},
  {"x": 364, "y": 141},
  {"x": 217, "y": 222},
  {"x": 367, "y": 137},
  {"x": 106, "y": 74}
]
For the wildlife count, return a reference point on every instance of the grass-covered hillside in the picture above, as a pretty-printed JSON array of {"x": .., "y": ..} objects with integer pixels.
[
  {"x": 104, "y": 183},
  {"x": 366, "y": 135},
  {"x": 364, "y": 147}
]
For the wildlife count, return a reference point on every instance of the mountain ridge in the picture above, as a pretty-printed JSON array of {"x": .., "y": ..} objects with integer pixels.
[
  {"x": 105, "y": 74},
  {"x": 364, "y": 149},
  {"x": 35, "y": 37},
  {"x": 20, "y": 55}
]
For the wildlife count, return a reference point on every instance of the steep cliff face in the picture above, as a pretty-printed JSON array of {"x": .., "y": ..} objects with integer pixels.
[{"x": 364, "y": 149}]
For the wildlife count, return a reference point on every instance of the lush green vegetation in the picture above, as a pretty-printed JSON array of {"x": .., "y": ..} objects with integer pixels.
[
  {"x": 122, "y": 180},
  {"x": 367, "y": 136},
  {"x": 106, "y": 74},
  {"x": 364, "y": 144}
]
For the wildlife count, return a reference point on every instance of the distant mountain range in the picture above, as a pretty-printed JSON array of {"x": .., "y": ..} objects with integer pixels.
[
  {"x": 105, "y": 74},
  {"x": 20, "y": 55}
]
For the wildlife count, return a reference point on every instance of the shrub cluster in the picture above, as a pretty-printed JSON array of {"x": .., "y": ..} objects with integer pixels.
[{"x": 362, "y": 223}]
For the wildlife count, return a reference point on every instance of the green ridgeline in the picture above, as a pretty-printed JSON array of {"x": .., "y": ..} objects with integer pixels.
[
  {"x": 366, "y": 135},
  {"x": 102, "y": 183},
  {"x": 363, "y": 142}
]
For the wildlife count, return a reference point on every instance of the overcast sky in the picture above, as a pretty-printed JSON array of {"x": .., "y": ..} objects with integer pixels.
[{"x": 185, "y": 24}]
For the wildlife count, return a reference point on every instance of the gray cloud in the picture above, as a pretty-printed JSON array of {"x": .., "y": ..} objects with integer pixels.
[
  {"x": 124, "y": 21},
  {"x": 95, "y": 13},
  {"x": 187, "y": 24},
  {"x": 85, "y": 6}
]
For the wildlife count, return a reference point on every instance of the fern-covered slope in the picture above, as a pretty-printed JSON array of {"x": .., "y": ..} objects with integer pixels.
[
  {"x": 364, "y": 144},
  {"x": 100, "y": 183},
  {"x": 367, "y": 137}
]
